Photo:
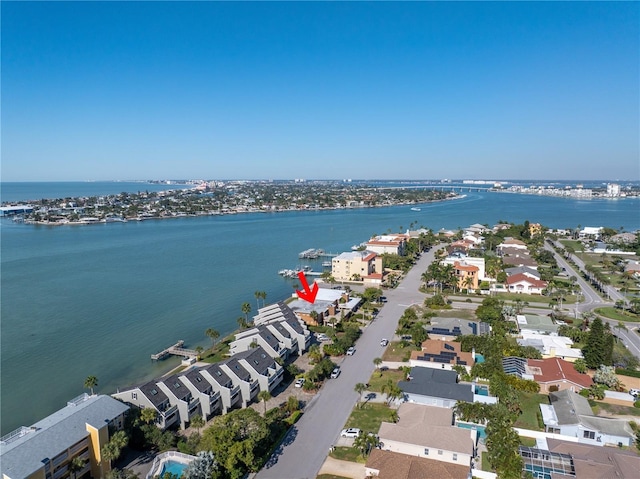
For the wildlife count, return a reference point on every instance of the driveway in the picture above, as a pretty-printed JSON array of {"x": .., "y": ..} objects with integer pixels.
[{"x": 304, "y": 450}]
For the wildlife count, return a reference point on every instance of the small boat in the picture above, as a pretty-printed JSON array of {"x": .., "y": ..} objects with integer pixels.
[{"x": 415, "y": 209}]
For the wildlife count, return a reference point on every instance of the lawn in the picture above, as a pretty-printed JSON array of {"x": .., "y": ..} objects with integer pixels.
[
  {"x": 395, "y": 353},
  {"x": 347, "y": 454},
  {"x": 369, "y": 416},
  {"x": 485, "y": 462},
  {"x": 379, "y": 378},
  {"x": 528, "y": 441},
  {"x": 617, "y": 314},
  {"x": 529, "y": 403},
  {"x": 458, "y": 313},
  {"x": 220, "y": 352},
  {"x": 617, "y": 409}
]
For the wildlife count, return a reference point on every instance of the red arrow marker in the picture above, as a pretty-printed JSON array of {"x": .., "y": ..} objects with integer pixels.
[{"x": 308, "y": 294}]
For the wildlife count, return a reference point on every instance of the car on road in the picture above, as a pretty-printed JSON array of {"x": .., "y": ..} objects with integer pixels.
[
  {"x": 322, "y": 337},
  {"x": 383, "y": 299},
  {"x": 336, "y": 372},
  {"x": 351, "y": 351},
  {"x": 299, "y": 383},
  {"x": 384, "y": 342},
  {"x": 350, "y": 432}
]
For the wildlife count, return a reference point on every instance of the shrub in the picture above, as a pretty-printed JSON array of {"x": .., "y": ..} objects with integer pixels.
[
  {"x": 553, "y": 388},
  {"x": 637, "y": 404}
]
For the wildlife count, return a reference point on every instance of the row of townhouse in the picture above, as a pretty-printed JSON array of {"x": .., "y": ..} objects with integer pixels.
[
  {"x": 233, "y": 383},
  {"x": 208, "y": 390}
]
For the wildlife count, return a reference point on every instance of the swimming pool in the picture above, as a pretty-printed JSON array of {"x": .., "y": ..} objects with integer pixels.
[
  {"x": 482, "y": 433},
  {"x": 173, "y": 467}
]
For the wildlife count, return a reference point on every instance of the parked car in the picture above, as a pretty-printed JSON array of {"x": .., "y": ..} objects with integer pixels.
[
  {"x": 350, "y": 432},
  {"x": 634, "y": 392},
  {"x": 336, "y": 372},
  {"x": 384, "y": 342},
  {"x": 351, "y": 351},
  {"x": 299, "y": 383},
  {"x": 322, "y": 337}
]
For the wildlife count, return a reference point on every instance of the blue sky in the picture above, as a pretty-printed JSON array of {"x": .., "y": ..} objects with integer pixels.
[{"x": 137, "y": 90}]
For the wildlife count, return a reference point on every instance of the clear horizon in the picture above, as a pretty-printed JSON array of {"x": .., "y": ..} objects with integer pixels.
[{"x": 261, "y": 90}]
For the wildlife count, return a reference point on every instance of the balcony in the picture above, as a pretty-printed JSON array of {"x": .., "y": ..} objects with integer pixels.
[
  {"x": 214, "y": 398},
  {"x": 194, "y": 405},
  {"x": 254, "y": 386},
  {"x": 168, "y": 412}
]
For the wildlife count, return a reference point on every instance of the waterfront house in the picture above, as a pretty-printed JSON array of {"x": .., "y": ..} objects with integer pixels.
[
  {"x": 329, "y": 303},
  {"x": 280, "y": 316},
  {"x": 181, "y": 396},
  {"x": 262, "y": 367},
  {"x": 264, "y": 337},
  {"x": 79, "y": 430},
  {"x": 393, "y": 244},
  {"x": 365, "y": 266},
  {"x": 569, "y": 414},
  {"x": 149, "y": 395},
  {"x": 210, "y": 400},
  {"x": 394, "y": 465},
  {"x": 220, "y": 382},
  {"x": 249, "y": 387},
  {"x": 439, "y": 354},
  {"x": 428, "y": 431}
]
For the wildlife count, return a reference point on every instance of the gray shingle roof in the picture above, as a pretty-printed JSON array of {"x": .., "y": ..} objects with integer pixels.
[
  {"x": 177, "y": 387},
  {"x": 200, "y": 383},
  {"x": 258, "y": 359},
  {"x": 220, "y": 376},
  {"x": 155, "y": 395},
  {"x": 436, "y": 383},
  {"x": 238, "y": 369}
]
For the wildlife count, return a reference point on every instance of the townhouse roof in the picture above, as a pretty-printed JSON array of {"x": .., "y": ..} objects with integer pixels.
[
  {"x": 268, "y": 336},
  {"x": 154, "y": 394},
  {"x": 258, "y": 359},
  {"x": 218, "y": 374},
  {"x": 198, "y": 380},
  {"x": 522, "y": 278},
  {"x": 278, "y": 326},
  {"x": 237, "y": 368},
  {"x": 436, "y": 383},
  {"x": 420, "y": 428},
  {"x": 295, "y": 324},
  {"x": 394, "y": 465},
  {"x": 177, "y": 387},
  {"x": 52, "y": 435},
  {"x": 556, "y": 369},
  {"x": 597, "y": 462}
]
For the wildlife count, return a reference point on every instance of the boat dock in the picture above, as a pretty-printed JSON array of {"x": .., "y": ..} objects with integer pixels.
[{"x": 176, "y": 350}]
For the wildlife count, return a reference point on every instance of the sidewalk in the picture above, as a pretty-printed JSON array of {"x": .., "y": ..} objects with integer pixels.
[{"x": 337, "y": 467}]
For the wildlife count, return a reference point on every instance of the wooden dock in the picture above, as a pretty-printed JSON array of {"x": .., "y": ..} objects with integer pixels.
[{"x": 176, "y": 350}]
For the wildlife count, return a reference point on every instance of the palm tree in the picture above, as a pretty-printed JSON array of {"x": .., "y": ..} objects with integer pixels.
[
  {"x": 148, "y": 415},
  {"x": 242, "y": 323},
  {"x": 264, "y": 396},
  {"x": 360, "y": 388},
  {"x": 377, "y": 362},
  {"x": 263, "y": 295},
  {"x": 90, "y": 383},
  {"x": 246, "y": 309},
  {"x": 393, "y": 416},
  {"x": 213, "y": 334},
  {"x": 197, "y": 421},
  {"x": 112, "y": 450},
  {"x": 467, "y": 282},
  {"x": 257, "y": 294},
  {"x": 77, "y": 465},
  {"x": 315, "y": 354}
]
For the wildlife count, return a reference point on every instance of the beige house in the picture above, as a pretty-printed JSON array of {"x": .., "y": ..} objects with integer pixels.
[
  {"x": 428, "y": 431},
  {"x": 393, "y": 244},
  {"x": 365, "y": 266},
  {"x": 393, "y": 465}
]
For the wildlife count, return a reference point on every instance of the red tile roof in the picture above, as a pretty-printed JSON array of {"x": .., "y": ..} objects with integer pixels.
[
  {"x": 519, "y": 277},
  {"x": 556, "y": 369}
]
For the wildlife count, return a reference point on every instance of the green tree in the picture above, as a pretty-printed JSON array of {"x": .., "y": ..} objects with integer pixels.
[
  {"x": 197, "y": 422},
  {"x": 213, "y": 335},
  {"x": 246, "y": 309},
  {"x": 90, "y": 383},
  {"x": 264, "y": 396},
  {"x": 238, "y": 440},
  {"x": 377, "y": 362},
  {"x": 595, "y": 349},
  {"x": 580, "y": 365},
  {"x": 148, "y": 415},
  {"x": 365, "y": 442},
  {"x": 112, "y": 450},
  {"x": 77, "y": 465}
]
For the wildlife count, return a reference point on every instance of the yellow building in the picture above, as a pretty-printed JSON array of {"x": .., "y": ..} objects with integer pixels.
[
  {"x": 47, "y": 449},
  {"x": 365, "y": 266}
]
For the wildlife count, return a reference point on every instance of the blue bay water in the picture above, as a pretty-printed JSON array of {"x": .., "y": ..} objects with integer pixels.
[{"x": 100, "y": 299}]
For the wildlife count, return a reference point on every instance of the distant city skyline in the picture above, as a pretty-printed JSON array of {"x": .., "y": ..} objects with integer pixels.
[{"x": 318, "y": 90}]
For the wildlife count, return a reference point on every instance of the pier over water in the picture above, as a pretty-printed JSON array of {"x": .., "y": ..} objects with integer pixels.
[{"x": 176, "y": 350}]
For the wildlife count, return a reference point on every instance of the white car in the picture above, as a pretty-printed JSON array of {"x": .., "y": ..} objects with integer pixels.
[
  {"x": 335, "y": 373},
  {"x": 350, "y": 432},
  {"x": 351, "y": 351},
  {"x": 384, "y": 342},
  {"x": 322, "y": 337},
  {"x": 299, "y": 383}
]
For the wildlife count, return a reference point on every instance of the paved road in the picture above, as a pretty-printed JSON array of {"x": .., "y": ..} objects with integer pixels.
[
  {"x": 304, "y": 450},
  {"x": 593, "y": 300}
]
